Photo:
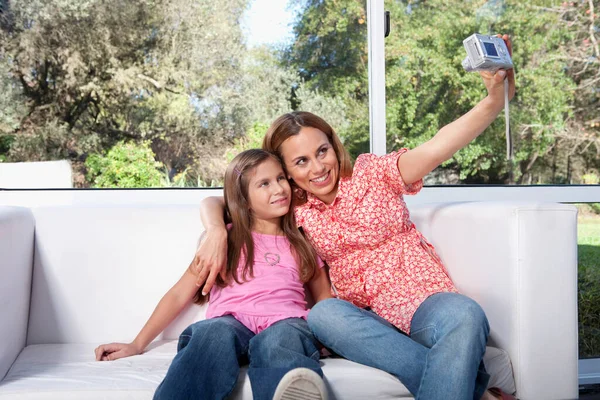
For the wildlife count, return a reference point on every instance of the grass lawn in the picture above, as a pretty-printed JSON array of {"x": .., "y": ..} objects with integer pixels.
[{"x": 588, "y": 231}]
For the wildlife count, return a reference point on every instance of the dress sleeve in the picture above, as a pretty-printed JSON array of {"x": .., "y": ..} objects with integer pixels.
[{"x": 386, "y": 169}]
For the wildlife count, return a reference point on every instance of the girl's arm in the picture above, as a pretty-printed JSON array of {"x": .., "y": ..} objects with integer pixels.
[
  {"x": 418, "y": 162},
  {"x": 167, "y": 309},
  {"x": 319, "y": 286},
  {"x": 212, "y": 253}
]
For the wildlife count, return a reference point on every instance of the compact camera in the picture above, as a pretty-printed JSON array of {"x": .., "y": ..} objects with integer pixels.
[{"x": 486, "y": 53}]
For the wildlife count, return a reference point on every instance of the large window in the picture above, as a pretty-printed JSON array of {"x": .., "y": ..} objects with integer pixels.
[
  {"x": 554, "y": 118},
  {"x": 154, "y": 94}
]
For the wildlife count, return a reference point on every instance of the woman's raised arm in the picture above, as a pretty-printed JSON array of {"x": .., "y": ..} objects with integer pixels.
[{"x": 418, "y": 162}]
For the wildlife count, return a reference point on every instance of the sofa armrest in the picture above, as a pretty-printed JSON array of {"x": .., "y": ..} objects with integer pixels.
[
  {"x": 519, "y": 262},
  {"x": 16, "y": 260}
]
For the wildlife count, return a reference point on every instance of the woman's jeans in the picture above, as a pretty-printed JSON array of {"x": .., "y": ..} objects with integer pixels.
[
  {"x": 442, "y": 357},
  {"x": 210, "y": 352}
]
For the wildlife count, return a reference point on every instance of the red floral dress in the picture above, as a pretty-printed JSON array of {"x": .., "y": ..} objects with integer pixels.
[{"x": 377, "y": 257}]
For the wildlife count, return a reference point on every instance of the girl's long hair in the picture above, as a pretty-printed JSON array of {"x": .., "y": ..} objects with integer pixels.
[
  {"x": 289, "y": 125},
  {"x": 240, "y": 243}
]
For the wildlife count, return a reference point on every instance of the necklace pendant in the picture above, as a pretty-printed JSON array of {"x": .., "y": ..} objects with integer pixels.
[{"x": 272, "y": 258}]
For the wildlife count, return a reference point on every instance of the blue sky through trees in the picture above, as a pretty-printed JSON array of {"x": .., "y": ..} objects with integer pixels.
[{"x": 268, "y": 22}]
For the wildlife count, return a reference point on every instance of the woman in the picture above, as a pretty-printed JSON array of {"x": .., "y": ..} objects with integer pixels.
[{"x": 385, "y": 274}]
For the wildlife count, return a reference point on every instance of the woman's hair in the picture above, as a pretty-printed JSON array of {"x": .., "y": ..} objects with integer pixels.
[
  {"x": 240, "y": 243},
  {"x": 289, "y": 125}
]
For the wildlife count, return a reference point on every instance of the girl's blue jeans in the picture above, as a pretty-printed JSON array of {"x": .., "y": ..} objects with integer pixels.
[
  {"x": 442, "y": 357},
  {"x": 210, "y": 352}
]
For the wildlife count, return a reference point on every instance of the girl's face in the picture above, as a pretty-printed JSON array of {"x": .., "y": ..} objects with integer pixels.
[
  {"x": 269, "y": 191},
  {"x": 312, "y": 163}
]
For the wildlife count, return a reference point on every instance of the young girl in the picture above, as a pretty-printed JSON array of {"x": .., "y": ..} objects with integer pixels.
[
  {"x": 258, "y": 312},
  {"x": 386, "y": 275}
]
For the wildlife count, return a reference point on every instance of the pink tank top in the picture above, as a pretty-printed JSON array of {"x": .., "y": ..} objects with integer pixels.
[{"x": 275, "y": 293}]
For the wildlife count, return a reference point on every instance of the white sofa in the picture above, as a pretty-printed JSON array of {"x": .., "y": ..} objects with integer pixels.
[{"x": 76, "y": 276}]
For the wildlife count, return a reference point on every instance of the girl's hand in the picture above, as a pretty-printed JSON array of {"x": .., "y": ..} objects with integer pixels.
[
  {"x": 210, "y": 259},
  {"x": 494, "y": 82},
  {"x": 114, "y": 351}
]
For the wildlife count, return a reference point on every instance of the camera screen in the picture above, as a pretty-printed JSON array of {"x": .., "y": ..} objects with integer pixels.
[{"x": 490, "y": 49}]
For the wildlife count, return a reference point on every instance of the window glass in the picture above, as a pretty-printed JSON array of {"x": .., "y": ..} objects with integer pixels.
[
  {"x": 554, "y": 117},
  {"x": 163, "y": 93},
  {"x": 588, "y": 232}
]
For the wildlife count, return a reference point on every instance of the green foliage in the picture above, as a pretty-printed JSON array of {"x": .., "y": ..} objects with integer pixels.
[
  {"x": 50, "y": 141},
  {"x": 267, "y": 85},
  {"x": 252, "y": 140},
  {"x": 5, "y": 143},
  {"x": 582, "y": 64},
  {"x": 175, "y": 73},
  {"x": 106, "y": 71},
  {"x": 427, "y": 88},
  {"x": 11, "y": 100},
  {"x": 590, "y": 179},
  {"x": 79, "y": 76},
  {"x": 125, "y": 165},
  {"x": 330, "y": 55},
  {"x": 589, "y": 304},
  {"x": 588, "y": 231},
  {"x": 330, "y": 47}
]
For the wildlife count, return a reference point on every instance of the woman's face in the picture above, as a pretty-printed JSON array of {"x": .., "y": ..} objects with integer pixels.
[{"x": 312, "y": 163}]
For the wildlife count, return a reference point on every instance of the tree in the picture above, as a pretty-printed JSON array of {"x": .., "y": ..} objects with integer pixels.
[
  {"x": 11, "y": 107},
  {"x": 578, "y": 145},
  {"x": 79, "y": 76},
  {"x": 329, "y": 52},
  {"x": 96, "y": 72},
  {"x": 425, "y": 85},
  {"x": 126, "y": 165},
  {"x": 271, "y": 88}
]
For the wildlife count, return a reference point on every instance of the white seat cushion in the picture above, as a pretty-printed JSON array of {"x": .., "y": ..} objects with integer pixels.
[{"x": 69, "y": 372}]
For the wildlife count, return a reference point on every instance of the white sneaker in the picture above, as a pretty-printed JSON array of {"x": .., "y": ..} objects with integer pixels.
[{"x": 301, "y": 384}]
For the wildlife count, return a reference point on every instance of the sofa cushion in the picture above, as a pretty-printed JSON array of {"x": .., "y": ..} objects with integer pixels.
[
  {"x": 16, "y": 254},
  {"x": 100, "y": 271},
  {"x": 69, "y": 371}
]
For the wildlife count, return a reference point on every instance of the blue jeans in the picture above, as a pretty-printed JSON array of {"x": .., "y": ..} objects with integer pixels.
[
  {"x": 442, "y": 357},
  {"x": 210, "y": 352}
]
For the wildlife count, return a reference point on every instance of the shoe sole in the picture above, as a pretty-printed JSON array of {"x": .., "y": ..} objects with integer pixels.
[{"x": 301, "y": 384}]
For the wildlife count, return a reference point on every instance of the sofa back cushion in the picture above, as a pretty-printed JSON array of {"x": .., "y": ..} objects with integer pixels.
[
  {"x": 16, "y": 256},
  {"x": 99, "y": 271}
]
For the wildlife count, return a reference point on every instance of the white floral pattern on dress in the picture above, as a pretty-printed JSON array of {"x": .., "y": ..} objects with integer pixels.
[{"x": 377, "y": 257}]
